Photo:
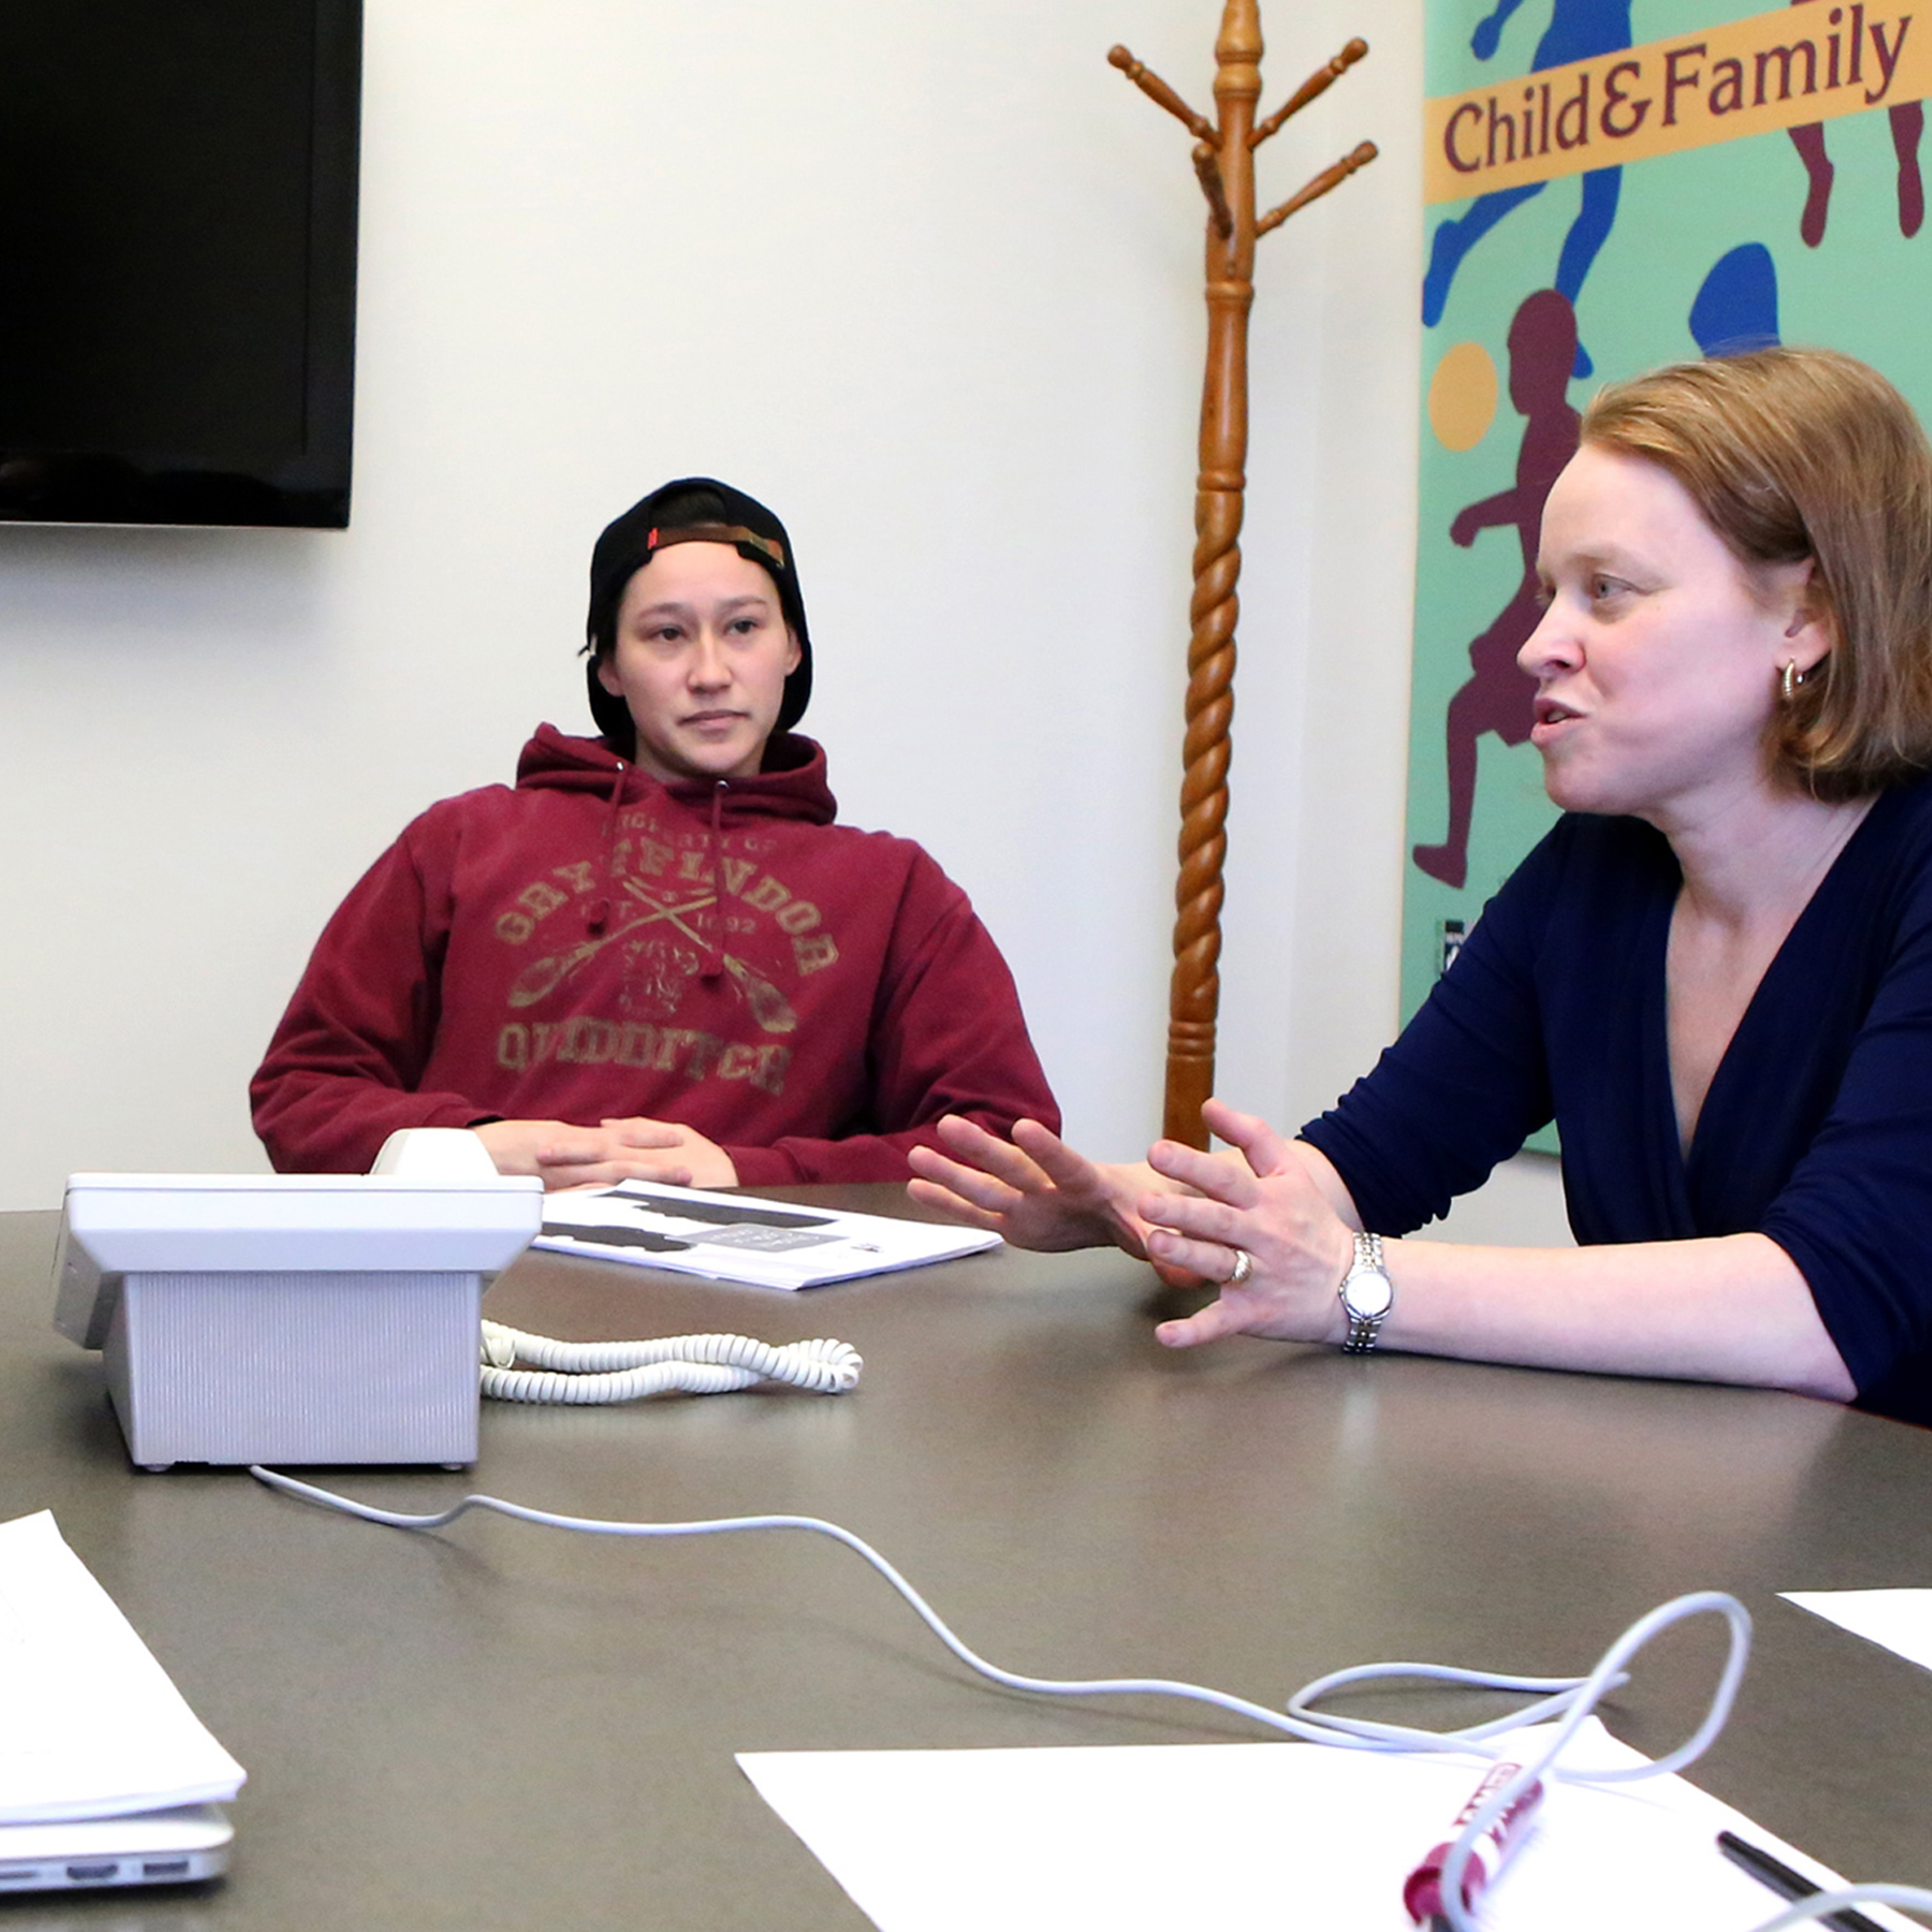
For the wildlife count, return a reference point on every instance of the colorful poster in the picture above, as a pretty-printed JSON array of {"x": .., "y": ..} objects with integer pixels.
[{"x": 1613, "y": 184}]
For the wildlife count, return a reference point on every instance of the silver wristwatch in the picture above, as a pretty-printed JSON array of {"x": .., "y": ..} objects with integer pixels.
[{"x": 1367, "y": 1294}]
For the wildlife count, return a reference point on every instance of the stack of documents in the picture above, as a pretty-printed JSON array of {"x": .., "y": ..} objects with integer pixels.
[
  {"x": 739, "y": 1238},
  {"x": 94, "y": 1728}
]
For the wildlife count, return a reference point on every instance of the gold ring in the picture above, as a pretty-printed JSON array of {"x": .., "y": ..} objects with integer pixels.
[{"x": 1243, "y": 1267}]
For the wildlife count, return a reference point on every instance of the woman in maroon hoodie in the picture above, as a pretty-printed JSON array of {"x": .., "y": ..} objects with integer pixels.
[{"x": 657, "y": 956}]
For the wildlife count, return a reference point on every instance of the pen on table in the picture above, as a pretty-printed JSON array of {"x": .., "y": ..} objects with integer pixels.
[
  {"x": 1423, "y": 1893},
  {"x": 1787, "y": 1883}
]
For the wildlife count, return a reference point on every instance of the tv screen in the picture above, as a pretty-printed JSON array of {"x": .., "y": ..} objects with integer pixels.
[{"x": 177, "y": 183}]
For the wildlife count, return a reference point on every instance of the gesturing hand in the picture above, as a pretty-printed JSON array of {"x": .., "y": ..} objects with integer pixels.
[
  {"x": 1267, "y": 1205},
  {"x": 1035, "y": 1191}
]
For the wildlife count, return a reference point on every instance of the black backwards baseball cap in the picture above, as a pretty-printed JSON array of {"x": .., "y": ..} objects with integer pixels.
[{"x": 692, "y": 510}]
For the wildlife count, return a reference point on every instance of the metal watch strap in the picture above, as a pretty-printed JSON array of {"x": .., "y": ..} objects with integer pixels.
[{"x": 1365, "y": 1327}]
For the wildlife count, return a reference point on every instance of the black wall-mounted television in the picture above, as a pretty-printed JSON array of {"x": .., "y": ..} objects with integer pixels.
[{"x": 178, "y": 192}]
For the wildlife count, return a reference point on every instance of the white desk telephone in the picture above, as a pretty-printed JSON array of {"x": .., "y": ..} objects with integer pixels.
[{"x": 335, "y": 1318}]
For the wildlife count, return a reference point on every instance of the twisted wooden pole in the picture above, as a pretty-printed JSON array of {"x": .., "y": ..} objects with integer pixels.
[{"x": 1223, "y": 159}]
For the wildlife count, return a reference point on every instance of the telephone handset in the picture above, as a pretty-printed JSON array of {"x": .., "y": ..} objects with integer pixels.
[{"x": 600, "y": 1372}]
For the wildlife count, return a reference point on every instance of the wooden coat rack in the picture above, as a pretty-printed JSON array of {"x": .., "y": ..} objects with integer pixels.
[{"x": 1224, "y": 163}]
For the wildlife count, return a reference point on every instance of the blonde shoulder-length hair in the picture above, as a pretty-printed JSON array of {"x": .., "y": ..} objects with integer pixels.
[{"x": 1804, "y": 453}]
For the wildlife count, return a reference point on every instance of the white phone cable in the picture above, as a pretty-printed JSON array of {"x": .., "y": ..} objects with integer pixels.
[
  {"x": 1574, "y": 1698},
  {"x": 1558, "y": 1693},
  {"x": 1809, "y": 1911},
  {"x": 596, "y": 1372}
]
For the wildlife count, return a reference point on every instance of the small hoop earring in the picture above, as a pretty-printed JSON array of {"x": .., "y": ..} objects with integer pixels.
[{"x": 1788, "y": 680}]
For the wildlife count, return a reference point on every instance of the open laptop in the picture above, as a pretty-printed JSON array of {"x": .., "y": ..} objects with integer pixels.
[{"x": 172, "y": 1847}]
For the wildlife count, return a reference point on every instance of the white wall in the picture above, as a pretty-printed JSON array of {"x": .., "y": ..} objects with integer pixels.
[{"x": 927, "y": 279}]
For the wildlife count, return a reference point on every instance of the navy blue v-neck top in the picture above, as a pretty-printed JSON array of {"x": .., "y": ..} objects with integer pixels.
[{"x": 1817, "y": 1128}]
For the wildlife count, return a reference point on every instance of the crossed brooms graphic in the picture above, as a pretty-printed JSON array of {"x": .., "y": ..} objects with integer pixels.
[{"x": 769, "y": 1007}]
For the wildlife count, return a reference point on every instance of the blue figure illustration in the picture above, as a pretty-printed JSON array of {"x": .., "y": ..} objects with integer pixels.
[
  {"x": 1736, "y": 309},
  {"x": 1577, "y": 30}
]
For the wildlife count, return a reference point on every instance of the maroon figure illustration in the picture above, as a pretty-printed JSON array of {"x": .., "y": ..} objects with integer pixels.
[
  {"x": 1498, "y": 696},
  {"x": 1908, "y": 124}
]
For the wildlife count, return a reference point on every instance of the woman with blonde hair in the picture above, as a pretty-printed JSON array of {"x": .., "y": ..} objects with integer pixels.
[{"x": 1714, "y": 973}]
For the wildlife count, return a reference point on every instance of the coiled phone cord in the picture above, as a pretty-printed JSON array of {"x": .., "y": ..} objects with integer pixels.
[{"x": 595, "y": 1372}]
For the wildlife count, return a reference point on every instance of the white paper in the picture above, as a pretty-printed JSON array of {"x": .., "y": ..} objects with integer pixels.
[
  {"x": 741, "y": 1237},
  {"x": 93, "y": 1727},
  {"x": 1901, "y": 1620},
  {"x": 1235, "y": 1836}
]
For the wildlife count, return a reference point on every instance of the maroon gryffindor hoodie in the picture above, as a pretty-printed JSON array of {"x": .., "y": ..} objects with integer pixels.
[{"x": 597, "y": 944}]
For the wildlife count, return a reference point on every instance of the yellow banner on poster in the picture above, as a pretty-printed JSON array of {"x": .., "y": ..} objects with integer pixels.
[{"x": 1776, "y": 69}]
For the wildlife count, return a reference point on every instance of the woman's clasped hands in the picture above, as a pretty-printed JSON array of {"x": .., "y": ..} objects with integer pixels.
[{"x": 1191, "y": 1214}]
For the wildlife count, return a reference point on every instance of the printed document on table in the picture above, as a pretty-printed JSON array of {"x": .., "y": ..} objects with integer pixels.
[
  {"x": 92, "y": 1729},
  {"x": 741, "y": 1237},
  {"x": 1901, "y": 1620},
  {"x": 1250, "y": 1838}
]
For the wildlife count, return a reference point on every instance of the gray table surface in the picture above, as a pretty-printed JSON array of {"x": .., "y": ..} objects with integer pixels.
[{"x": 507, "y": 1726}]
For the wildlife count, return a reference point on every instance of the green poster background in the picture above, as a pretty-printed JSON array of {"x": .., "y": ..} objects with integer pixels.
[{"x": 1865, "y": 286}]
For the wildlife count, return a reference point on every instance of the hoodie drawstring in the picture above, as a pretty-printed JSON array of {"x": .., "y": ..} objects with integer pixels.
[
  {"x": 714, "y": 967},
  {"x": 598, "y": 917}
]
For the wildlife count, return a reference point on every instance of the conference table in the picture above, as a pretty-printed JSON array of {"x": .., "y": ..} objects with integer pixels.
[{"x": 503, "y": 1725}]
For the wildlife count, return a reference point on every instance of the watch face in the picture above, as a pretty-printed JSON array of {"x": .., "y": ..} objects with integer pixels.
[{"x": 1367, "y": 1292}]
